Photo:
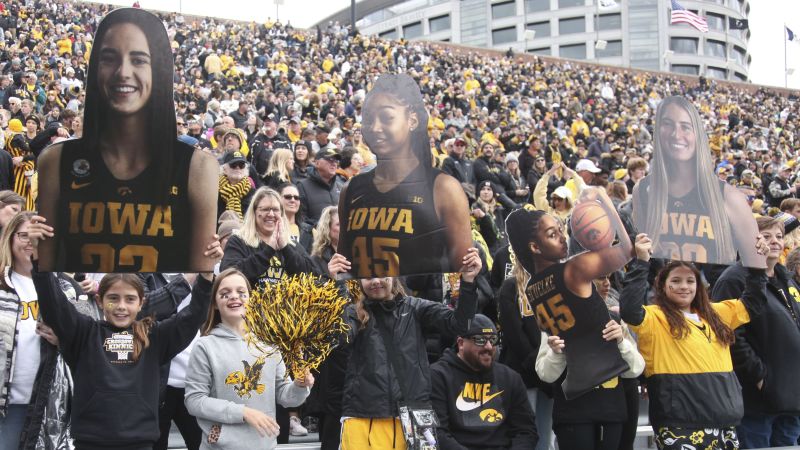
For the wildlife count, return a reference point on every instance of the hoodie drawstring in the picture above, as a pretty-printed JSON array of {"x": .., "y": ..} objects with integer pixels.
[
  {"x": 394, "y": 433},
  {"x": 369, "y": 432}
]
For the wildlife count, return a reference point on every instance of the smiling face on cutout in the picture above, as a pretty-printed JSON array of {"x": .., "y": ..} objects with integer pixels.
[
  {"x": 124, "y": 73},
  {"x": 677, "y": 134},
  {"x": 388, "y": 124}
]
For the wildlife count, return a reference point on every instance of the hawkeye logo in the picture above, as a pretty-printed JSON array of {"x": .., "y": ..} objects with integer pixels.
[{"x": 474, "y": 396}]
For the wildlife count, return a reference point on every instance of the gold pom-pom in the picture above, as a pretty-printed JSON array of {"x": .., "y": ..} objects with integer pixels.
[{"x": 299, "y": 316}]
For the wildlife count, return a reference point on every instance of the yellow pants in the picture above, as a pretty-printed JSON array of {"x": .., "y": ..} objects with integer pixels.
[{"x": 377, "y": 434}]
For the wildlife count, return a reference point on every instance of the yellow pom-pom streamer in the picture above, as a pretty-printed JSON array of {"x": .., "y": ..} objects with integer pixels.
[{"x": 299, "y": 316}]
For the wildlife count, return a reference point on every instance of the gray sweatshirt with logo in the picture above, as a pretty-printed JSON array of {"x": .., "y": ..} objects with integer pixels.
[{"x": 223, "y": 377}]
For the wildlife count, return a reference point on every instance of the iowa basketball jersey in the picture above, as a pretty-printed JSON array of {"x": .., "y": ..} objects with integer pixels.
[
  {"x": 396, "y": 232},
  {"x": 686, "y": 232},
  {"x": 109, "y": 225},
  {"x": 591, "y": 360}
]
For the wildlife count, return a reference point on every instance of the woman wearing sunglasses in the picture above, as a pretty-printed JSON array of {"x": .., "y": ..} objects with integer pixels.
[{"x": 300, "y": 231}]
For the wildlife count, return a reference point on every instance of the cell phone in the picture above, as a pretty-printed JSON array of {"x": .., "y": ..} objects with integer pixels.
[{"x": 79, "y": 277}]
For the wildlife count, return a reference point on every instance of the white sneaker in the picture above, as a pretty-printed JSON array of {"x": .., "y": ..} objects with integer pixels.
[{"x": 296, "y": 428}]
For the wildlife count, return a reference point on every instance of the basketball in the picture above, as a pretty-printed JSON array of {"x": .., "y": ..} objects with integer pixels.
[{"x": 591, "y": 226}]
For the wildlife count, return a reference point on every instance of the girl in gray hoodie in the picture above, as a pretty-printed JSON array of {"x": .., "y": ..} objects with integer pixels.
[{"x": 230, "y": 387}]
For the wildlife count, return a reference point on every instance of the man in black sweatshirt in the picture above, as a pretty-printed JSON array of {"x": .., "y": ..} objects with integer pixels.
[{"x": 481, "y": 404}]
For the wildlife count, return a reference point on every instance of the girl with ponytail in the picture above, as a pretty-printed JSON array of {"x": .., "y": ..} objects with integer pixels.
[{"x": 115, "y": 362}]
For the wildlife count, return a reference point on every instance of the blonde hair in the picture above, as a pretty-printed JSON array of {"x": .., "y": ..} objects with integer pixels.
[
  {"x": 322, "y": 235},
  {"x": 361, "y": 311},
  {"x": 6, "y": 239},
  {"x": 249, "y": 231},
  {"x": 521, "y": 278},
  {"x": 277, "y": 163}
]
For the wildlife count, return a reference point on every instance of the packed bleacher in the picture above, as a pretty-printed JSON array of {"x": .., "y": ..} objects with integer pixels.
[{"x": 281, "y": 110}]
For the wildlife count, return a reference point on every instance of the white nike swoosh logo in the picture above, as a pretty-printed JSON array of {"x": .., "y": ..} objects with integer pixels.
[
  {"x": 357, "y": 199},
  {"x": 464, "y": 405}
]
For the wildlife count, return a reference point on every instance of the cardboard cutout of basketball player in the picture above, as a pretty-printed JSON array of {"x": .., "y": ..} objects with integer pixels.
[
  {"x": 404, "y": 217},
  {"x": 561, "y": 292},
  {"x": 688, "y": 212},
  {"x": 128, "y": 196}
]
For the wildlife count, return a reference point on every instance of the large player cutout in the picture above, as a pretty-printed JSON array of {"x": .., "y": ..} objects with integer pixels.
[
  {"x": 128, "y": 196},
  {"x": 561, "y": 293},
  {"x": 687, "y": 211},
  {"x": 405, "y": 217}
]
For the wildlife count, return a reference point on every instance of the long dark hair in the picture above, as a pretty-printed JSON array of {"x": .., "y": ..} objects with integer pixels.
[
  {"x": 701, "y": 305},
  {"x": 161, "y": 141},
  {"x": 406, "y": 91},
  {"x": 141, "y": 328},
  {"x": 521, "y": 227}
]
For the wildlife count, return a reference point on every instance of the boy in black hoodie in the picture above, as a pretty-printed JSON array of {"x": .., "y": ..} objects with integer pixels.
[{"x": 481, "y": 404}]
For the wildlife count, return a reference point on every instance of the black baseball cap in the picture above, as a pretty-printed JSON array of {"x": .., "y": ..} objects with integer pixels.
[
  {"x": 480, "y": 324},
  {"x": 233, "y": 157},
  {"x": 329, "y": 153}
]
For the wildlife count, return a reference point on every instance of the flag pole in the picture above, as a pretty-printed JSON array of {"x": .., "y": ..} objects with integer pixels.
[{"x": 785, "y": 69}]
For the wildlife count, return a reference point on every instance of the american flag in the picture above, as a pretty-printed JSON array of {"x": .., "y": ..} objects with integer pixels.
[{"x": 683, "y": 15}]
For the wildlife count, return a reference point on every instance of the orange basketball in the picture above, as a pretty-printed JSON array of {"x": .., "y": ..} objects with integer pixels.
[{"x": 591, "y": 226}]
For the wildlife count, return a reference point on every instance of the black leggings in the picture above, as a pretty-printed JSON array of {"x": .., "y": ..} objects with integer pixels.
[
  {"x": 631, "y": 386},
  {"x": 330, "y": 431},
  {"x": 282, "y": 417},
  {"x": 171, "y": 409},
  {"x": 588, "y": 436}
]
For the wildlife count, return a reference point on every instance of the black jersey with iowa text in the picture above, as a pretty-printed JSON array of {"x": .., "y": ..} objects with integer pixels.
[
  {"x": 591, "y": 360},
  {"x": 111, "y": 225},
  {"x": 686, "y": 232},
  {"x": 396, "y": 232}
]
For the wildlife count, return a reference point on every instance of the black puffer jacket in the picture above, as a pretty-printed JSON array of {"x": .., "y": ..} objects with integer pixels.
[
  {"x": 371, "y": 385},
  {"x": 316, "y": 195},
  {"x": 766, "y": 348}
]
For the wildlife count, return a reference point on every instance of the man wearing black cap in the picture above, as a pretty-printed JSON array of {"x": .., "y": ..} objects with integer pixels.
[
  {"x": 459, "y": 167},
  {"x": 480, "y": 403},
  {"x": 322, "y": 187},
  {"x": 236, "y": 188}
]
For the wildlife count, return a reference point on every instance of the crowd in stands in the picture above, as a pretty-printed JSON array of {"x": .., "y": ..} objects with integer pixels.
[{"x": 281, "y": 109}]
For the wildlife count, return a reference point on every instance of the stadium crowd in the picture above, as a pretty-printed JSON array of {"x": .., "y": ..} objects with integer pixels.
[{"x": 281, "y": 109}]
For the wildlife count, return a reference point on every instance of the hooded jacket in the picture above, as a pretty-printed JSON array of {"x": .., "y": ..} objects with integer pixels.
[
  {"x": 487, "y": 410},
  {"x": 690, "y": 381},
  {"x": 763, "y": 347},
  {"x": 371, "y": 385},
  {"x": 48, "y": 409},
  {"x": 115, "y": 401},
  {"x": 223, "y": 378}
]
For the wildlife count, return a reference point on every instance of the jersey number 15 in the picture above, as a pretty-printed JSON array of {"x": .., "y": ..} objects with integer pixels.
[{"x": 554, "y": 316}]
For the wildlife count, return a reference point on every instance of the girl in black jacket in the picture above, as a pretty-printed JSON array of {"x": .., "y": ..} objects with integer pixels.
[{"x": 373, "y": 386}]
